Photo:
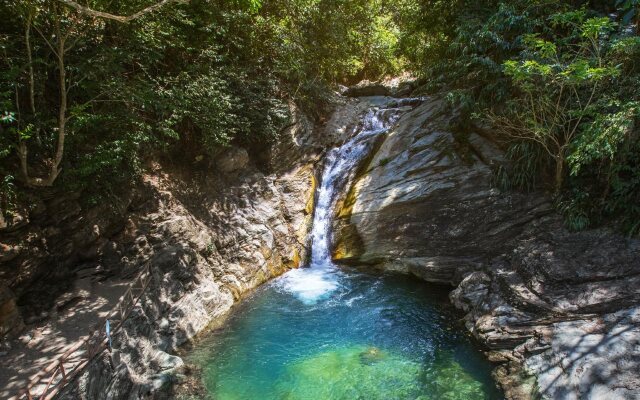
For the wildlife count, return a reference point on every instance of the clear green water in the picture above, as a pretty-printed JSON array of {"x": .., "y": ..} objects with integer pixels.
[{"x": 368, "y": 337}]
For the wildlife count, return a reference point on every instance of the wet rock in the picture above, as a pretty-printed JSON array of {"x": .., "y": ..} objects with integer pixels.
[{"x": 164, "y": 361}]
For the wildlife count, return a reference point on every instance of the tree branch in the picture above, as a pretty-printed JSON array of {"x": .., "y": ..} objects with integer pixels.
[{"x": 120, "y": 18}]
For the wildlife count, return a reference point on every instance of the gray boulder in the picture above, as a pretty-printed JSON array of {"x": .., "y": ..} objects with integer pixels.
[
  {"x": 366, "y": 88},
  {"x": 232, "y": 159}
]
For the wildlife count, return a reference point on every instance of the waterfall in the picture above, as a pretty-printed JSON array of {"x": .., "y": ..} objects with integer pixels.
[
  {"x": 339, "y": 164},
  {"x": 321, "y": 277}
]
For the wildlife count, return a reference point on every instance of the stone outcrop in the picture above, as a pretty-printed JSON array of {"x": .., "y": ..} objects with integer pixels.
[
  {"x": 399, "y": 87},
  {"x": 210, "y": 234},
  {"x": 203, "y": 259},
  {"x": 366, "y": 88},
  {"x": 557, "y": 310},
  {"x": 232, "y": 159},
  {"x": 10, "y": 319}
]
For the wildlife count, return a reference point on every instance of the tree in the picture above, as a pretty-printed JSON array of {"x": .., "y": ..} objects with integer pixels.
[
  {"x": 556, "y": 89},
  {"x": 66, "y": 28}
]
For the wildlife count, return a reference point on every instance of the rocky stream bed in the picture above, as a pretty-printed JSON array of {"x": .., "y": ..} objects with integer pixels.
[{"x": 558, "y": 311}]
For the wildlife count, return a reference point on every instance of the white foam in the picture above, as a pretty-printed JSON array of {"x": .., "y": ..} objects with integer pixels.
[
  {"x": 310, "y": 285},
  {"x": 350, "y": 302}
]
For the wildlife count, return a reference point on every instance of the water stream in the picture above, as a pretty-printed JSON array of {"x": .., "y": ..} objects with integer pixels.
[{"x": 329, "y": 332}]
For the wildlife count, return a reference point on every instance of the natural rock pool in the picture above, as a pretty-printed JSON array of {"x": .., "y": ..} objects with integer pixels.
[
  {"x": 373, "y": 337},
  {"x": 325, "y": 332}
]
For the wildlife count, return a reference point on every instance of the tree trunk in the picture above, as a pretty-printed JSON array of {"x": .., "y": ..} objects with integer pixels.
[
  {"x": 62, "y": 112},
  {"x": 22, "y": 155},
  {"x": 559, "y": 175},
  {"x": 32, "y": 80},
  {"x": 32, "y": 90}
]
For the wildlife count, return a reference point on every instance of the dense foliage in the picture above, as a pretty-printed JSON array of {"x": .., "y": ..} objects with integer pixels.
[
  {"x": 557, "y": 82},
  {"x": 85, "y": 96}
]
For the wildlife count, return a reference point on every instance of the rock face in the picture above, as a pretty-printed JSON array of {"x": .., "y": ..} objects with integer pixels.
[
  {"x": 10, "y": 319},
  {"x": 203, "y": 259},
  {"x": 366, "y": 88},
  {"x": 430, "y": 190},
  {"x": 209, "y": 235},
  {"x": 558, "y": 310}
]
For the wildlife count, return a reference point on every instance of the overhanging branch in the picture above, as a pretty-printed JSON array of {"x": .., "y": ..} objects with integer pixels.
[{"x": 120, "y": 18}]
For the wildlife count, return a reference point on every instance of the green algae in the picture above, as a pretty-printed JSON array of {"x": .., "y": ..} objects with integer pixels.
[
  {"x": 448, "y": 380},
  {"x": 356, "y": 372},
  {"x": 361, "y": 372}
]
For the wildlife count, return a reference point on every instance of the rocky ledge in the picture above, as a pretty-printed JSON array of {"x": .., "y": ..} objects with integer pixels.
[
  {"x": 210, "y": 231},
  {"x": 203, "y": 259},
  {"x": 558, "y": 311}
]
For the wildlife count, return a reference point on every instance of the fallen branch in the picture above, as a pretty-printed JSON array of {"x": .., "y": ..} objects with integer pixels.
[{"x": 120, "y": 18}]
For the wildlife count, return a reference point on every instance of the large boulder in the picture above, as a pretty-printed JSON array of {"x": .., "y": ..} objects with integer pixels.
[
  {"x": 366, "y": 88},
  {"x": 558, "y": 310},
  {"x": 232, "y": 159},
  {"x": 430, "y": 190},
  {"x": 10, "y": 320}
]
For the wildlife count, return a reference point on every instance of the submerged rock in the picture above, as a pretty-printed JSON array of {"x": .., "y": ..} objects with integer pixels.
[
  {"x": 371, "y": 355},
  {"x": 340, "y": 373}
]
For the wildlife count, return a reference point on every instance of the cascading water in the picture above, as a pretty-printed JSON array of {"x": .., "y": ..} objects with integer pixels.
[
  {"x": 321, "y": 277},
  {"x": 323, "y": 332},
  {"x": 340, "y": 162}
]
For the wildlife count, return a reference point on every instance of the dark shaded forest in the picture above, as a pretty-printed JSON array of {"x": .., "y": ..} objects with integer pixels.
[{"x": 90, "y": 90}]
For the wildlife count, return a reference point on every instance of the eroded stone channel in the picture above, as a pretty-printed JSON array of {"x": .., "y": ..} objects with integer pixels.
[{"x": 325, "y": 331}]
